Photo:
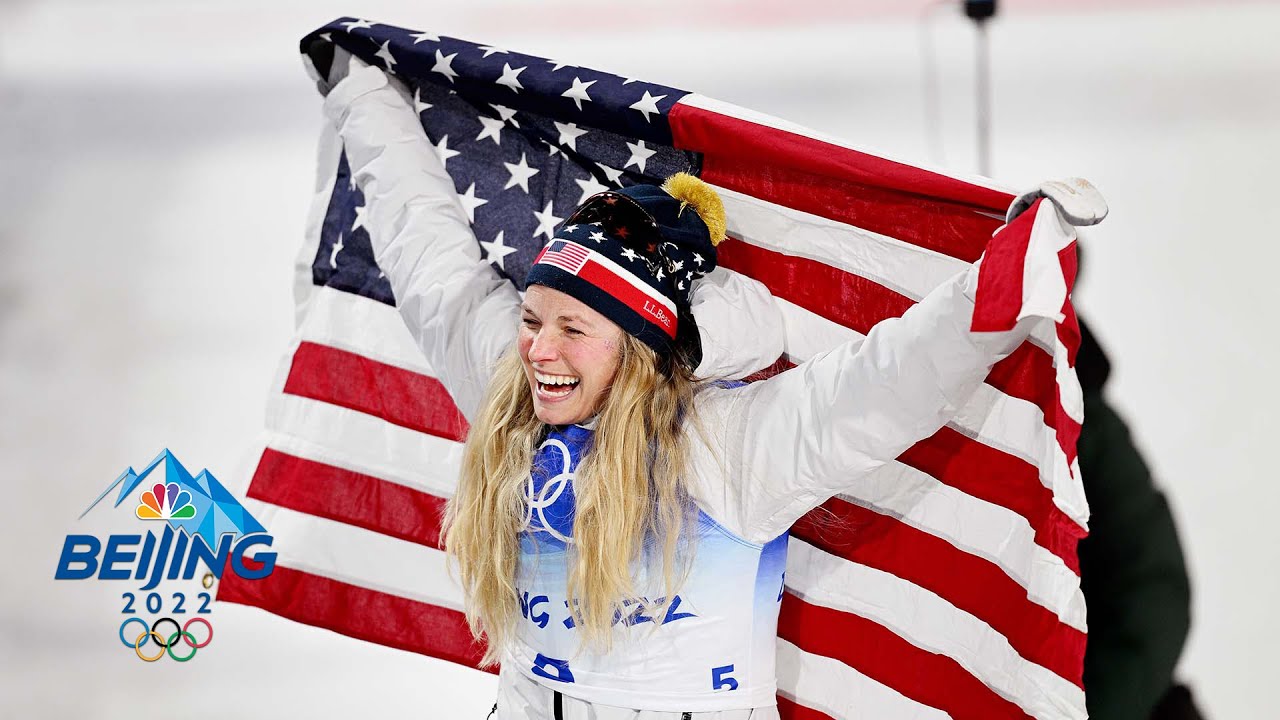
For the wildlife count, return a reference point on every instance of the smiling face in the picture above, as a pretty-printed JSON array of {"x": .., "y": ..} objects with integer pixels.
[{"x": 570, "y": 355}]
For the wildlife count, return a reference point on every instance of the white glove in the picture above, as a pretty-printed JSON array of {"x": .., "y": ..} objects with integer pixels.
[{"x": 1077, "y": 201}]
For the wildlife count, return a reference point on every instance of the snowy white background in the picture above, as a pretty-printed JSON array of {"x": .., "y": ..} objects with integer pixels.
[{"x": 155, "y": 166}]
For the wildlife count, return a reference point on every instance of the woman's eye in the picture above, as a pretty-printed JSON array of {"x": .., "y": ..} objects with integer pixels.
[
  {"x": 573, "y": 331},
  {"x": 529, "y": 322}
]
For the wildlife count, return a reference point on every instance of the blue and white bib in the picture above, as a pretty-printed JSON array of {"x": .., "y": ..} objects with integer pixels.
[{"x": 713, "y": 646}]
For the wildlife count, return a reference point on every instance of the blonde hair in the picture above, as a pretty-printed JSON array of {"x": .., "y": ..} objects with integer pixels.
[{"x": 629, "y": 486}]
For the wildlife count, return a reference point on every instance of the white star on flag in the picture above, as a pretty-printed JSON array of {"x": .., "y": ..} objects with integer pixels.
[
  {"x": 489, "y": 50},
  {"x": 359, "y": 222},
  {"x": 590, "y": 187},
  {"x": 444, "y": 65},
  {"x": 509, "y": 76},
  {"x": 546, "y": 222},
  {"x": 520, "y": 173},
  {"x": 615, "y": 176},
  {"x": 597, "y": 236},
  {"x": 630, "y": 254},
  {"x": 697, "y": 259},
  {"x": 507, "y": 114},
  {"x": 570, "y": 228},
  {"x": 639, "y": 155},
  {"x": 358, "y": 25},
  {"x": 470, "y": 202},
  {"x": 556, "y": 65},
  {"x": 385, "y": 54},
  {"x": 579, "y": 91},
  {"x": 648, "y": 104},
  {"x": 492, "y": 129},
  {"x": 661, "y": 274},
  {"x": 442, "y": 149},
  {"x": 497, "y": 251},
  {"x": 418, "y": 105},
  {"x": 628, "y": 81},
  {"x": 419, "y": 37},
  {"x": 569, "y": 134},
  {"x": 677, "y": 265}
]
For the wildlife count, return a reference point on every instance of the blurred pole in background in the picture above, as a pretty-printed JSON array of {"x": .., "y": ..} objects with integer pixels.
[{"x": 980, "y": 11}]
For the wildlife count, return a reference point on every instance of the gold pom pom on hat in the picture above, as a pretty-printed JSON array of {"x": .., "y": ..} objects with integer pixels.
[{"x": 704, "y": 200}]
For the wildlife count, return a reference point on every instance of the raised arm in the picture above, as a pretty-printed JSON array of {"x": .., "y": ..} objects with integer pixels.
[
  {"x": 790, "y": 442},
  {"x": 462, "y": 314},
  {"x": 783, "y": 446}
]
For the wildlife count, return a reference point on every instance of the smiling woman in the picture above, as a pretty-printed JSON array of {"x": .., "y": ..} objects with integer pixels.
[
  {"x": 570, "y": 354},
  {"x": 620, "y": 524}
]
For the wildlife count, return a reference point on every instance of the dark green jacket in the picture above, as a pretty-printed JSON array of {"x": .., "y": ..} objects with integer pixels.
[{"x": 1132, "y": 570}]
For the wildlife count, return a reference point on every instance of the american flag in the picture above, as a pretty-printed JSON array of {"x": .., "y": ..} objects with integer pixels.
[
  {"x": 565, "y": 255},
  {"x": 946, "y": 585}
]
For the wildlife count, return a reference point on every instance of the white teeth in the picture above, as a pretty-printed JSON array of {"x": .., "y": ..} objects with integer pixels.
[{"x": 546, "y": 379}]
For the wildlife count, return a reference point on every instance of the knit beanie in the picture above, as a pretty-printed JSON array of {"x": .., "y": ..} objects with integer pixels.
[{"x": 632, "y": 255}]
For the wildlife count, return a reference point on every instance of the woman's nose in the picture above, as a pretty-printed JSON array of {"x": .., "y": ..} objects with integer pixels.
[{"x": 544, "y": 348}]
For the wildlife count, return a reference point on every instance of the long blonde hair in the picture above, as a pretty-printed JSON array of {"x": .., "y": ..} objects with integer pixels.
[{"x": 629, "y": 487}]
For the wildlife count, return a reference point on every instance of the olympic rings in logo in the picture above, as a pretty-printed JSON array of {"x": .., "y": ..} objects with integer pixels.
[
  {"x": 166, "y": 645},
  {"x": 538, "y": 500}
]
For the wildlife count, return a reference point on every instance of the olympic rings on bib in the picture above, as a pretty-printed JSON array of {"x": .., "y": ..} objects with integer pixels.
[
  {"x": 186, "y": 634},
  {"x": 155, "y": 628},
  {"x": 173, "y": 642},
  {"x": 147, "y": 634}
]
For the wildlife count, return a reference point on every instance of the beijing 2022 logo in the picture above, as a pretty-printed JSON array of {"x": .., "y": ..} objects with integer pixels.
[{"x": 189, "y": 521}]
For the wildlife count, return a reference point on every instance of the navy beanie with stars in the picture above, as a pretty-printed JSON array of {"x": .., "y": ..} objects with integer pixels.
[{"x": 632, "y": 255}]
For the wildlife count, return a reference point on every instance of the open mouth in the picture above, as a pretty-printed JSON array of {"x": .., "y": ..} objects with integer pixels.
[{"x": 554, "y": 387}]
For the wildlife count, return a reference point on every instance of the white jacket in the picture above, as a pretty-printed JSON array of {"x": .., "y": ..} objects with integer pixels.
[{"x": 776, "y": 448}]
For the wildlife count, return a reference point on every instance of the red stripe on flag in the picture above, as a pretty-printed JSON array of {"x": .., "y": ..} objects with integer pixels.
[
  {"x": 1000, "y": 479},
  {"x": 349, "y": 497},
  {"x": 882, "y": 655},
  {"x": 358, "y": 612},
  {"x": 883, "y": 196},
  {"x": 399, "y": 396},
  {"x": 1000, "y": 279},
  {"x": 792, "y": 710},
  {"x": 971, "y": 583}
]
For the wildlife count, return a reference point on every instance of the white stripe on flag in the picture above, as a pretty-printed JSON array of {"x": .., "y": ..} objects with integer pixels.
[
  {"x": 979, "y": 528},
  {"x": 907, "y": 269},
  {"x": 345, "y": 438},
  {"x": 830, "y": 686},
  {"x": 928, "y": 621},
  {"x": 360, "y": 557},
  {"x": 1017, "y": 427},
  {"x": 366, "y": 327}
]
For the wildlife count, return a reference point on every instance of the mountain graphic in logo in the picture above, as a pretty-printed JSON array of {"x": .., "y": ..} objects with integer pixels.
[
  {"x": 165, "y": 502},
  {"x": 199, "y": 505}
]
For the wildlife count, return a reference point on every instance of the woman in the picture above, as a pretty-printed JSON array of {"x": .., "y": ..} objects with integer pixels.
[{"x": 620, "y": 526}]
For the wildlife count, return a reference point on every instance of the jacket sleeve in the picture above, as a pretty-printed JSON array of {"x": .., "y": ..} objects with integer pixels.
[
  {"x": 461, "y": 313},
  {"x": 780, "y": 447}
]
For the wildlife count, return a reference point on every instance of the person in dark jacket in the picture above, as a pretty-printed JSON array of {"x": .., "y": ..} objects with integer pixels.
[{"x": 1132, "y": 569}]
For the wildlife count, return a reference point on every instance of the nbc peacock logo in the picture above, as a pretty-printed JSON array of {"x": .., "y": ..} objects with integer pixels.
[{"x": 165, "y": 502}]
